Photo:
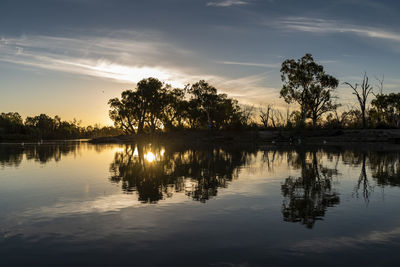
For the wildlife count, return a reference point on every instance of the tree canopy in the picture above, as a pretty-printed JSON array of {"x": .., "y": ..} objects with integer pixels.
[
  {"x": 154, "y": 106},
  {"x": 306, "y": 83}
]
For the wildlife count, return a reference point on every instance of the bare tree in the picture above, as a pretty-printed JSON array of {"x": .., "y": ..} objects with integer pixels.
[
  {"x": 340, "y": 117},
  {"x": 265, "y": 115},
  {"x": 247, "y": 114},
  {"x": 362, "y": 94},
  {"x": 273, "y": 115},
  {"x": 380, "y": 83},
  {"x": 277, "y": 119},
  {"x": 273, "y": 118}
]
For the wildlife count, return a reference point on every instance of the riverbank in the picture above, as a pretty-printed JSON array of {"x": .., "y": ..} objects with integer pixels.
[{"x": 331, "y": 136}]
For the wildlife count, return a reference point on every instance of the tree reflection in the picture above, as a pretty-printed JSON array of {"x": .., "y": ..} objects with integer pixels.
[
  {"x": 308, "y": 196},
  {"x": 13, "y": 154},
  {"x": 385, "y": 168},
  {"x": 199, "y": 173},
  {"x": 363, "y": 182},
  {"x": 10, "y": 155}
]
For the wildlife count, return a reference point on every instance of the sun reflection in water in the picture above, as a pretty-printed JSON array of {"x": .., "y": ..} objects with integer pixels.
[{"x": 150, "y": 157}]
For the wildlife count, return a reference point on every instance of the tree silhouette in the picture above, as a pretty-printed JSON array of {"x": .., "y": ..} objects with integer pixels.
[
  {"x": 385, "y": 110},
  {"x": 139, "y": 106},
  {"x": 155, "y": 106},
  {"x": 362, "y": 96},
  {"x": 306, "y": 83}
]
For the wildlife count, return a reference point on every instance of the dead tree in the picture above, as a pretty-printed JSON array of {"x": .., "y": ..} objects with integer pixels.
[
  {"x": 265, "y": 115},
  {"x": 380, "y": 83},
  {"x": 277, "y": 118},
  {"x": 362, "y": 94}
]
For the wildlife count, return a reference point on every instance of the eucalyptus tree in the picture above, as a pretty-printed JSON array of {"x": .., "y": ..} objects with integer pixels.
[
  {"x": 321, "y": 99},
  {"x": 385, "y": 110},
  {"x": 206, "y": 97},
  {"x": 151, "y": 93},
  {"x": 139, "y": 108},
  {"x": 215, "y": 110},
  {"x": 154, "y": 105},
  {"x": 306, "y": 83},
  {"x": 125, "y": 112},
  {"x": 174, "y": 107},
  {"x": 11, "y": 122}
]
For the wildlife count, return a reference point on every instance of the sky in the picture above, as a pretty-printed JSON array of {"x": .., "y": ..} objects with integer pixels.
[{"x": 69, "y": 57}]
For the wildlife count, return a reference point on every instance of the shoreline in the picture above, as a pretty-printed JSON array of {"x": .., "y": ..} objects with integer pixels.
[
  {"x": 309, "y": 137},
  {"x": 353, "y": 137}
]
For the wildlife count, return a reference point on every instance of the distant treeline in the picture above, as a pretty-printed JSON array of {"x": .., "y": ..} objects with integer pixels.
[{"x": 13, "y": 127}]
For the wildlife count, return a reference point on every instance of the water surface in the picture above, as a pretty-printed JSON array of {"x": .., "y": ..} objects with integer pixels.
[{"x": 146, "y": 204}]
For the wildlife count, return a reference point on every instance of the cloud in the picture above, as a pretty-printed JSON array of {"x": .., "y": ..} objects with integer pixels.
[
  {"x": 323, "y": 245},
  {"x": 128, "y": 59},
  {"x": 323, "y": 26},
  {"x": 251, "y": 64},
  {"x": 248, "y": 89},
  {"x": 121, "y": 59},
  {"x": 227, "y": 3},
  {"x": 103, "y": 204}
]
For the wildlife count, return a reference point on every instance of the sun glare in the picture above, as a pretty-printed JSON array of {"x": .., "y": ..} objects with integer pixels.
[
  {"x": 150, "y": 157},
  {"x": 134, "y": 73}
]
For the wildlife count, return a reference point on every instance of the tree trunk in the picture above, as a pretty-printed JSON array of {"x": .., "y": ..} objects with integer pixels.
[
  {"x": 140, "y": 127},
  {"x": 314, "y": 120},
  {"x": 364, "y": 123},
  {"x": 153, "y": 124},
  {"x": 210, "y": 126},
  {"x": 303, "y": 118}
]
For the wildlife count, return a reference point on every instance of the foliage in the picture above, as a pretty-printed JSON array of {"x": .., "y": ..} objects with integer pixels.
[
  {"x": 307, "y": 84},
  {"x": 385, "y": 111},
  {"x": 44, "y": 127},
  {"x": 154, "y": 106},
  {"x": 11, "y": 123}
]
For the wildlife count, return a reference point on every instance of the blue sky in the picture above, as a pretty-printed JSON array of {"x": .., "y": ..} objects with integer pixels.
[{"x": 68, "y": 57}]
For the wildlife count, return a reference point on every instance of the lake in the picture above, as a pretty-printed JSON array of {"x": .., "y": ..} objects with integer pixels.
[{"x": 74, "y": 203}]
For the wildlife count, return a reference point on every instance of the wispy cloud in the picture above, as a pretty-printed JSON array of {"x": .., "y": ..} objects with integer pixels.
[
  {"x": 127, "y": 60},
  {"x": 249, "y": 89},
  {"x": 123, "y": 60},
  {"x": 250, "y": 64},
  {"x": 322, "y": 26},
  {"x": 227, "y": 3}
]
